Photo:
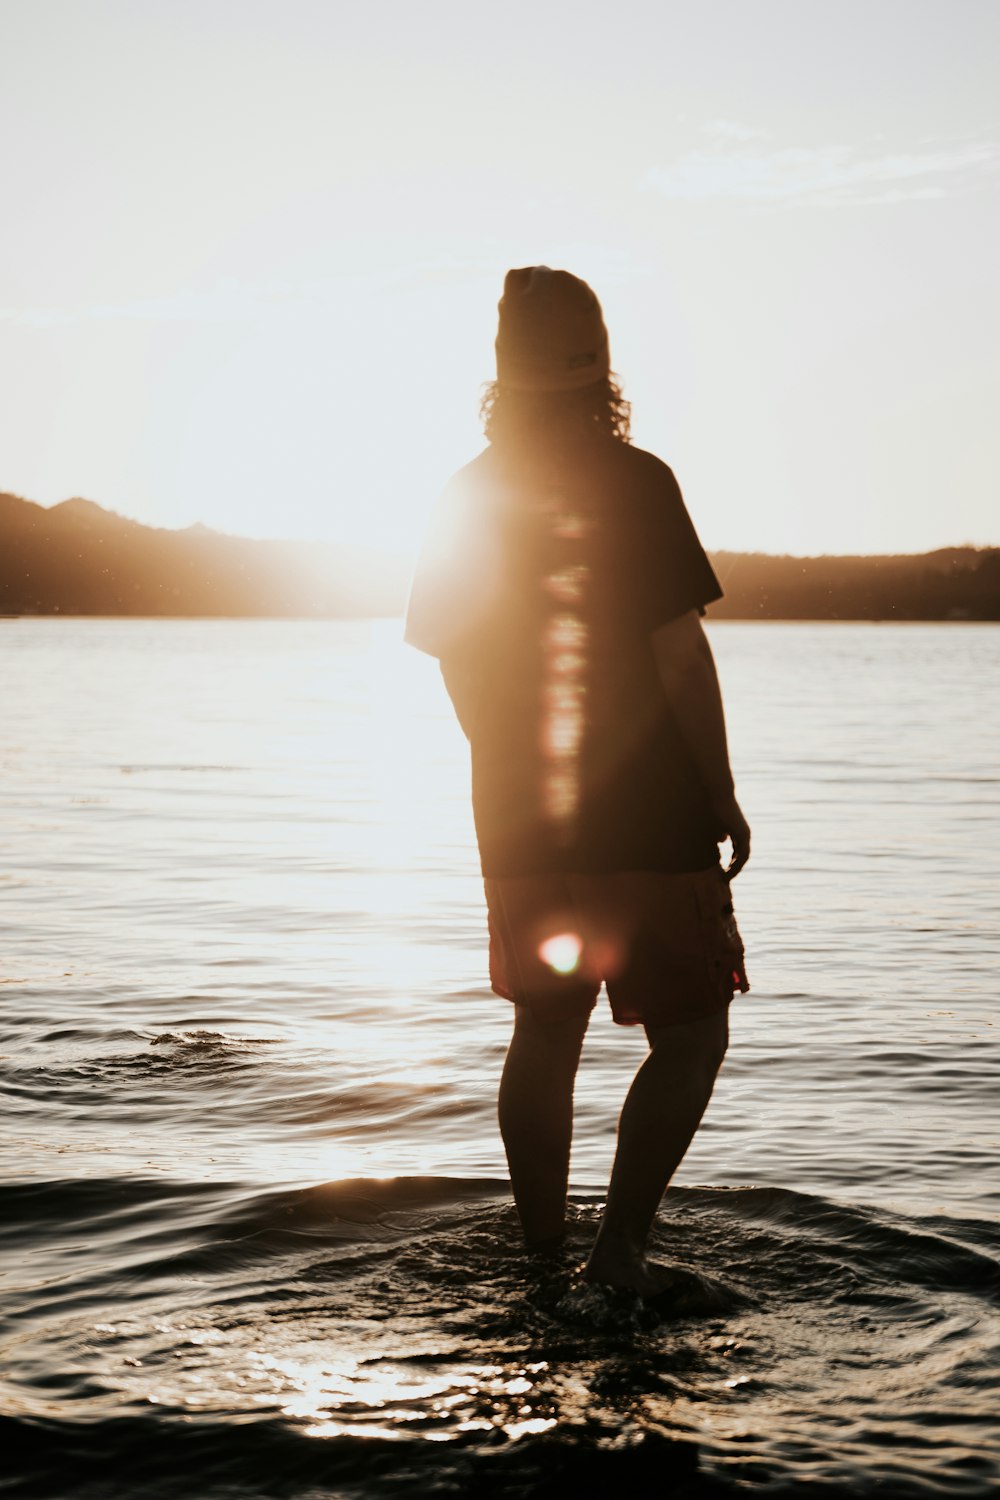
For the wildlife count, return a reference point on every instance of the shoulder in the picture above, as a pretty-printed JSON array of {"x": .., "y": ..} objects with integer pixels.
[
  {"x": 479, "y": 474},
  {"x": 647, "y": 469},
  {"x": 640, "y": 473},
  {"x": 641, "y": 491},
  {"x": 466, "y": 499}
]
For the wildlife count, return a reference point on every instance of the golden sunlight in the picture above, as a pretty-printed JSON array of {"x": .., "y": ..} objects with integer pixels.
[{"x": 562, "y": 952}]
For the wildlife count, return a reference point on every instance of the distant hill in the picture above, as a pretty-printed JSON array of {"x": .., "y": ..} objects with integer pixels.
[
  {"x": 79, "y": 559},
  {"x": 954, "y": 583}
]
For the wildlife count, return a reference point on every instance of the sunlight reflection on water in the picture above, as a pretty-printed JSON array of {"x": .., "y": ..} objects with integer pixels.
[{"x": 264, "y": 828}]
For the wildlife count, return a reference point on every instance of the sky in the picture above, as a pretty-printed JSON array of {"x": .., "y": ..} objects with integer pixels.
[{"x": 253, "y": 249}]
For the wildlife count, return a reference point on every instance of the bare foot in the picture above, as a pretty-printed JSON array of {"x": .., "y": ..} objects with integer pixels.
[
  {"x": 628, "y": 1269},
  {"x": 549, "y": 1249}
]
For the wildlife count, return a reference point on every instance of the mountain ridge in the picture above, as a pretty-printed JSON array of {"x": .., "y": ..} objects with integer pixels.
[{"x": 79, "y": 558}]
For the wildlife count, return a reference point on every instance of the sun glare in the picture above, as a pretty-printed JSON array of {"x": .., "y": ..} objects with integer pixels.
[{"x": 561, "y": 952}]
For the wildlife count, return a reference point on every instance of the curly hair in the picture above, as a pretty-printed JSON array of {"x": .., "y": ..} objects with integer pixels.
[{"x": 510, "y": 416}]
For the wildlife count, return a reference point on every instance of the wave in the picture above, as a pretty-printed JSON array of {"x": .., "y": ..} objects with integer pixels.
[
  {"x": 939, "y": 1253},
  {"x": 28, "y": 1205},
  {"x": 390, "y": 1336},
  {"x": 161, "y": 1459}
]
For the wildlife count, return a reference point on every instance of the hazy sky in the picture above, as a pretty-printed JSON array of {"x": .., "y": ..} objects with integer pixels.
[{"x": 252, "y": 251}]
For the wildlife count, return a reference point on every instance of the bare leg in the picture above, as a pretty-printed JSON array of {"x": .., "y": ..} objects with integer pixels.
[
  {"x": 663, "y": 1110},
  {"x": 536, "y": 1119}
]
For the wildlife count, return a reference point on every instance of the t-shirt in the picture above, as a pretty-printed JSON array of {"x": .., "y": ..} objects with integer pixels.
[{"x": 539, "y": 586}]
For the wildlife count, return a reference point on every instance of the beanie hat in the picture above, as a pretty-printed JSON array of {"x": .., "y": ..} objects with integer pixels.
[{"x": 551, "y": 335}]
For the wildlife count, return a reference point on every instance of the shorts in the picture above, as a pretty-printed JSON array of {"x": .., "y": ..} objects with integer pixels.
[{"x": 666, "y": 946}]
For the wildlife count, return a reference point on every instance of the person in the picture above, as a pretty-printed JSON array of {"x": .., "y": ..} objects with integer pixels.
[{"x": 561, "y": 586}]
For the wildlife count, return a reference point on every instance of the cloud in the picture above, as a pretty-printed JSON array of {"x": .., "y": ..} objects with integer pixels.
[{"x": 818, "y": 174}]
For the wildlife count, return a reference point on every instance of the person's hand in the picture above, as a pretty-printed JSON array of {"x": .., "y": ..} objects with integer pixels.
[{"x": 732, "y": 825}]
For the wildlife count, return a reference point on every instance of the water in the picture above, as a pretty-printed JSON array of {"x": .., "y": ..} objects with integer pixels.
[{"x": 256, "y": 1237}]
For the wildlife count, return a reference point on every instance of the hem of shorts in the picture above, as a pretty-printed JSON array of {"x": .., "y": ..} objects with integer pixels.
[
  {"x": 701, "y": 1013},
  {"x": 557, "y": 1011},
  {"x": 582, "y": 867}
]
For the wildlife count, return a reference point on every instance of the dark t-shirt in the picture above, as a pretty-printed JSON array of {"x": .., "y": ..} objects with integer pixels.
[{"x": 539, "y": 587}]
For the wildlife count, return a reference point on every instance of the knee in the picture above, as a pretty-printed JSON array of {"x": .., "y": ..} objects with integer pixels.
[
  {"x": 711, "y": 1043},
  {"x": 716, "y": 1043},
  {"x": 703, "y": 1043},
  {"x": 546, "y": 1032},
  {"x": 553, "y": 1045}
]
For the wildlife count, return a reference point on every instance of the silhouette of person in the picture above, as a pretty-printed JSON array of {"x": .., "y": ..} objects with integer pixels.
[{"x": 561, "y": 586}]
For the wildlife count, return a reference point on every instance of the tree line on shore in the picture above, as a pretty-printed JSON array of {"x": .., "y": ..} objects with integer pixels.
[{"x": 79, "y": 559}]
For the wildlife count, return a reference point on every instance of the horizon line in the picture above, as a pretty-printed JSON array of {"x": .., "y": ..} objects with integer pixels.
[{"x": 966, "y": 546}]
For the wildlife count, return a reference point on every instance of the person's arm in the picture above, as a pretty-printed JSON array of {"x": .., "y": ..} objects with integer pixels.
[{"x": 687, "y": 671}]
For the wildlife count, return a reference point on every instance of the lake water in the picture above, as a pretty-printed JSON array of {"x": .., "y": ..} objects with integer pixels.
[{"x": 256, "y": 1232}]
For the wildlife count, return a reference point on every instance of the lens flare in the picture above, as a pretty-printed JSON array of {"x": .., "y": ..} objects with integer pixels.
[{"x": 562, "y": 952}]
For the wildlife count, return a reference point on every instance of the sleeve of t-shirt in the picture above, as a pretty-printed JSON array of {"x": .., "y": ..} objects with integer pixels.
[
  {"x": 452, "y": 578},
  {"x": 672, "y": 572}
]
